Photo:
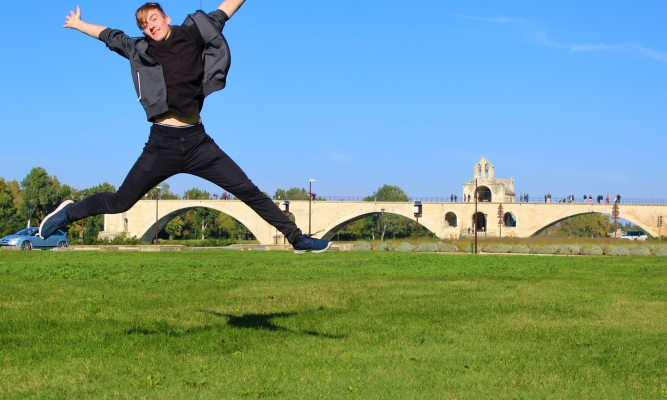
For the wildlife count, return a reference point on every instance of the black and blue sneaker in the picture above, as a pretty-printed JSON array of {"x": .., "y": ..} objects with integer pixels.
[
  {"x": 308, "y": 243},
  {"x": 54, "y": 221}
]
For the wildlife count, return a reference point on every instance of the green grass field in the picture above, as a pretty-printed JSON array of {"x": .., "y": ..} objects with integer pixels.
[{"x": 230, "y": 324}]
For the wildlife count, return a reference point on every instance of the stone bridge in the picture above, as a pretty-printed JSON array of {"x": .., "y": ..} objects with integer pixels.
[{"x": 446, "y": 220}]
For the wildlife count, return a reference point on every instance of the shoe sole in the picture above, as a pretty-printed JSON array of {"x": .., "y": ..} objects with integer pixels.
[
  {"x": 60, "y": 207},
  {"x": 313, "y": 251}
]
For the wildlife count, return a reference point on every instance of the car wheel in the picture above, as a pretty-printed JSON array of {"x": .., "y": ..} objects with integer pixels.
[
  {"x": 26, "y": 245},
  {"x": 62, "y": 245}
]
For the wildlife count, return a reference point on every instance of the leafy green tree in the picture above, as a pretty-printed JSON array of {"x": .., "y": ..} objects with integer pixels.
[
  {"x": 10, "y": 200},
  {"x": 166, "y": 194},
  {"x": 225, "y": 226},
  {"x": 174, "y": 228},
  {"x": 388, "y": 193},
  {"x": 585, "y": 225},
  {"x": 190, "y": 224},
  {"x": 67, "y": 193},
  {"x": 291, "y": 194},
  {"x": 91, "y": 225},
  {"x": 13, "y": 188},
  {"x": 202, "y": 223},
  {"x": 41, "y": 194},
  {"x": 206, "y": 218},
  {"x": 197, "y": 194},
  {"x": 199, "y": 223}
]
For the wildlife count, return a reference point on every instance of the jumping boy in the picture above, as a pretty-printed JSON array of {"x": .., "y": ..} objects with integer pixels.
[{"x": 174, "y": 68}]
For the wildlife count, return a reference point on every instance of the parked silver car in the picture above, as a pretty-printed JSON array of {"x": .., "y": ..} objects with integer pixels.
[
  {"x": 634, "y": 235},
  {"x": 28, "y": 239}
]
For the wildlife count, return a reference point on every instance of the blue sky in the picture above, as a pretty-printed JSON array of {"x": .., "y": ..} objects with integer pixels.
[{"x": 565, "y": 97}]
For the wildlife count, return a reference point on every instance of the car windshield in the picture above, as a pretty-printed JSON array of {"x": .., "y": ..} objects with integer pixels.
[{"x": 27, "y": 231}]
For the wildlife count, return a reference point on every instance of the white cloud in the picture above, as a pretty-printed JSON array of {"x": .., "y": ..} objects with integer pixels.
[
  {"x": 535, "y": 35},
  {"x": 627, "y": 48},
  {"x": 528, "y": 27}
]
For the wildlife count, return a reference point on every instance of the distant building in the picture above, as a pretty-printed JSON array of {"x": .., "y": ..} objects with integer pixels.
[{"x": 490, "y": 188}]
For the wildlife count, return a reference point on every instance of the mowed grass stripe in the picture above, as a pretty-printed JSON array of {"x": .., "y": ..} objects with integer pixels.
[{"x": 225, "y": 324}]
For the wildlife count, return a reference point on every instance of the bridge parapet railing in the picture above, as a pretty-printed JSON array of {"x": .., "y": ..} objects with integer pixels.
[
  {"x": 580, "y": 200},
  {"x": 553, "y": 200}
]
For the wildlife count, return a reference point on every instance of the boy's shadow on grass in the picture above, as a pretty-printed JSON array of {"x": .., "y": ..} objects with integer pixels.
[{"x": 264, "y": 321}]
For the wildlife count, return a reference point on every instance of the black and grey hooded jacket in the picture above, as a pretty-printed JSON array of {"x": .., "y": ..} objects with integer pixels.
[{"x": 147, "y": 73}]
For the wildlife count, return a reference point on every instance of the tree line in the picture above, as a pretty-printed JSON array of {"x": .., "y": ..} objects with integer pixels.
[{"x": 27, "y": 202}]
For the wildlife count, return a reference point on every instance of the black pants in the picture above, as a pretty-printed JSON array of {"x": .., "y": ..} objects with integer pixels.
[{"x": 170, "y": 151}]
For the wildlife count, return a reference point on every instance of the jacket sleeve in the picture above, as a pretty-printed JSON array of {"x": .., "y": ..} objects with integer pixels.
[
  {"x": 218, "y": 18},
  {"x": 118, "y": 41}
]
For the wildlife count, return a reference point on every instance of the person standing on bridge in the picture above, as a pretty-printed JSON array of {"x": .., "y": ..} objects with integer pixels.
[{"x": 174, "y": 68}]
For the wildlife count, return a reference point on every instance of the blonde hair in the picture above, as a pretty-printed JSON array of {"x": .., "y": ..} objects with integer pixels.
[{"x": 142, "y": 13}]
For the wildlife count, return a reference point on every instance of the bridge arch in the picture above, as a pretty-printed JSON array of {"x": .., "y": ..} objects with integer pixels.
[
  {"x": 630, "y": 218},
  {"x": 165, "y": 216},
  {"x": 451, "y": 219},
  {"x": 509, "y": 219},
  {"x": 404, "y": 211},
  {"x": 484, "y": 194},
  {"x": 479, "y": 221}
]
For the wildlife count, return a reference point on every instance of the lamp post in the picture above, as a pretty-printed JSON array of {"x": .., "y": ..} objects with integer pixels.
[
  {"x": 417, "y": 209},
  {"x": 285, "y": 209},
  {"x": 310, "y": 203},
  {"x": 157, "y": 198},
  {"x": 82, "y": 225}
]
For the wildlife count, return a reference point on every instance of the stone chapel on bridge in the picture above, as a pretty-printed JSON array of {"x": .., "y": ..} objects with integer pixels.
[{"x": 490, "y": 188}]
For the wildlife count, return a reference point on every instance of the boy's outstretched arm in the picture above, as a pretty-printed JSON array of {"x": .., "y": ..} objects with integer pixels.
[
  {"x": 73, "y": 21},
  {"x": 229, "y": 7}
]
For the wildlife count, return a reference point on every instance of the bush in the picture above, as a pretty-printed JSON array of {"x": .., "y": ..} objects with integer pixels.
[
  {"x": 570, "y": 249},
  {"x": 209, "y": 243},
  {"x": 520, "y": 249},
  {"x": 123, "y": 239},
  {"x": 427, "y": 248},
  {"x": 382, "y": 247},
  {"x": 617, "y": 251},
  {"x": 498, "y": 248},
  {"x": 448, "y": 248},
  {"x": 546, "y": 249},
  {"x": 660, "y": 251},
  {"x": 640, "y": 251},
  {"x": 217, "y": 242},
  {"x": 362, "y": 246},
  {"x": 404, "y": 247},
  {"x": 592, "y": 250}
]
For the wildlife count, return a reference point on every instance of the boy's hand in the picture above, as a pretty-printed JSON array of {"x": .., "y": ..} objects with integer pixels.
[{"x": 73, "y": 19}]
